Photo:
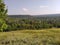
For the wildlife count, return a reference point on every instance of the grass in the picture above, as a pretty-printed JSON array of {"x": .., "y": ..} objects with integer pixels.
[{"x": 31, "y": 37}]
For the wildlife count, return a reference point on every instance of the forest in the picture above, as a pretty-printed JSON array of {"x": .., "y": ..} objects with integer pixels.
[{"x": 20, "y": 22}]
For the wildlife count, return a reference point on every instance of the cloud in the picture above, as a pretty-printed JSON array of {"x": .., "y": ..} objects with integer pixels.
[
  {"x": 24, "y": 9},
  {"x": 43, "y": 6}
]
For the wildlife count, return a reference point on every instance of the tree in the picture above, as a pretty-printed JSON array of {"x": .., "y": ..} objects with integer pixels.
[{"x": 3, "y": 15}]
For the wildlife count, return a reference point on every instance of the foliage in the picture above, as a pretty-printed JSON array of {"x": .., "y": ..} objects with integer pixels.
[
  {"x": 3, "y": 14},
  {"x": 30, "y": 23},
  {"x": 3, "y": 25}
]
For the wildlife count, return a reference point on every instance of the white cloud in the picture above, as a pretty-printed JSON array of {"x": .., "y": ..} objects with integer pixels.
[
  {"x": 43, "y": 6},
  {"x": 24, "y": 9}
]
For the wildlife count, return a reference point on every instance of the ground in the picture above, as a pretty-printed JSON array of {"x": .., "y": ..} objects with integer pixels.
[{"x": 31, "y": 37}]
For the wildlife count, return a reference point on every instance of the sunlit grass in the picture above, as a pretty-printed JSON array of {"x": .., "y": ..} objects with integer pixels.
[{"x": 31, "y": 37}]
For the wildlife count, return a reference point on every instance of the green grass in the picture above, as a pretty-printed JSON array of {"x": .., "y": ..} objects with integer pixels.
[{"x": 31, "y": 37}]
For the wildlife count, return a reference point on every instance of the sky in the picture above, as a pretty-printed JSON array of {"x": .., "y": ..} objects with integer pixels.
[{"x": 33, "y": 7}]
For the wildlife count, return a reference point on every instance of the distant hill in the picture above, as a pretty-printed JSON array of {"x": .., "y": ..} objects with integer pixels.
[
  {"x": 47, "y": 15},
  {"x": 19, "y": 16},
  {"x": 32, "y": 16}
]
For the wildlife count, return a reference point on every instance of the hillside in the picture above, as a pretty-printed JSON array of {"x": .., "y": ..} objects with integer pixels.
[{"x": 23, "y": 22}]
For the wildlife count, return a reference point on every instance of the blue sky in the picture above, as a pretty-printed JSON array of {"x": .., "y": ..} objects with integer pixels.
[{"x": 33, "y": 7}]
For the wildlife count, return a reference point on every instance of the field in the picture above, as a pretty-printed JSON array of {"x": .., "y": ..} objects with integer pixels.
[{"x": 31, "y": 37}]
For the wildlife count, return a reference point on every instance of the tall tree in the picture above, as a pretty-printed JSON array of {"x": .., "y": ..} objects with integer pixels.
[{"x": 3, "y": 14}]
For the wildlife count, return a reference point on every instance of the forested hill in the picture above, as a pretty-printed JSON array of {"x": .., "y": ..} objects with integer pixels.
[
  {"x": 20, "y": 16},
  {"x": 20, "y": 22},
  {"x": 48, "y": 15},
  {"x": 29, "y": 16}
]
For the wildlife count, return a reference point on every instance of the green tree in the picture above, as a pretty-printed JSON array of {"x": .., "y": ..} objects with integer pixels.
[{"x": 3, "y": 15}]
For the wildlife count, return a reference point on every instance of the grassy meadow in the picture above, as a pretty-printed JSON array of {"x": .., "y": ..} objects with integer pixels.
[{"x": 31, "y": 37}]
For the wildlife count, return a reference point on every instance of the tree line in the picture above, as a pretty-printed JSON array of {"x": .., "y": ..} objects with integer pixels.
[{"x": 32, "y": 24}]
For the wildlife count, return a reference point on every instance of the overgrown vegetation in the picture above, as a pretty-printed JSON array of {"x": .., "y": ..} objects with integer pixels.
[{"x": 31, "y": 37}]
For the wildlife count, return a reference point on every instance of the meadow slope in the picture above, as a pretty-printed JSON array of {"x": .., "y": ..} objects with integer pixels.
[{"x": 31, "y": 37}]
